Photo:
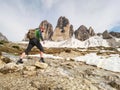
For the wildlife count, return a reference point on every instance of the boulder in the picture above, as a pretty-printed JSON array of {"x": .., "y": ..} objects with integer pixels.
[
  {"x": 6, "y": 59},
  {"x": 41, "y": 65},
  {"x": 63, "y": 30},
  {"x": 10, "y": 67}
]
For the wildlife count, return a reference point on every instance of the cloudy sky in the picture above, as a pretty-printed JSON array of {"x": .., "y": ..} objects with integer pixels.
[{"x": 17, "y": 16}]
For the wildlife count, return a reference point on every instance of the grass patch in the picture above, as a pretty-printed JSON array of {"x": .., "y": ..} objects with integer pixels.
[
  {"x": 16, "y": 47},
  {"x": 2, "y": 42}
]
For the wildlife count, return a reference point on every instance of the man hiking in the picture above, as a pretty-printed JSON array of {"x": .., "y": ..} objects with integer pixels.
[{"x": 34, "y": 40}]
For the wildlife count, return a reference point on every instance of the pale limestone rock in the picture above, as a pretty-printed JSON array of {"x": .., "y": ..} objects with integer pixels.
[
  {"x": 29, "y": 73},
  {"x": 1, "y": 64},
  {"x": 41, "y": 65},
  {"x": 30, "y": 68}
]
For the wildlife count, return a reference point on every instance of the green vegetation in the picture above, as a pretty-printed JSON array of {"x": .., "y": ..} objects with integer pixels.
[
  {"x": 2, "y": 42},
  {"x": 16, "y": 47}
]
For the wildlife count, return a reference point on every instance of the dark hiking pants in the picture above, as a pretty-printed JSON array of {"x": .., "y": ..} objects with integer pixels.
[{"x": 34, "y": 42}]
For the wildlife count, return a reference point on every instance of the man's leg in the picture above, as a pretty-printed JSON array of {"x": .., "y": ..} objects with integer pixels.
[
  {"x": 30, "y": 46},
  {"x": 39, "y": 46},
  {"x": 21, "y": 57},
  {"x": 41, "y": 54},
  {"x": 41, "y": 57}
]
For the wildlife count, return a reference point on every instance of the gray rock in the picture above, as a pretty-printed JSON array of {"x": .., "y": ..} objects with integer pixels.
[
  {"x": 91, "y": 31},
  {"x": 2, "y": 37},
  {"x": 115, "y": 34},
  {"x": 106, "y": 35},
  {"x": 115, "y": 84},
  {"x": 82, "y": 33}
]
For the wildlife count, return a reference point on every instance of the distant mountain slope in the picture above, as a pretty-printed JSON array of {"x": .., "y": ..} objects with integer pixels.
[
  {"x": 2, "y": 37},
  {"x": 91, "y": 42}
]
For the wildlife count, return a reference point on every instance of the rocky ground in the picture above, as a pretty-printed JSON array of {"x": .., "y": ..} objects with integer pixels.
[{"x": 55, "y": 74}]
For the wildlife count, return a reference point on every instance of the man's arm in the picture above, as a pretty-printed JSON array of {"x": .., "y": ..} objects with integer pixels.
[{"x": 41, "y": 36}]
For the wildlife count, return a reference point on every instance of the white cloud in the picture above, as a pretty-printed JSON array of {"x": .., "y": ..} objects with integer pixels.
[
  {"x": 98, "y": 14},
  {"x": 49, "y": 3},
  {"x": 17, "y": 16}
]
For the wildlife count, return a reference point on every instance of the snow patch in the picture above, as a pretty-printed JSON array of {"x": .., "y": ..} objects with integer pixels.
[
  {"x": 46, "y": 56},
  {"x": 111, "y": 63}
]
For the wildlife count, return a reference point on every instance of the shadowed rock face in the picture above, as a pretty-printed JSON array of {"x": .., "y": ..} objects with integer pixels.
[
  {"x": 115, "y": 34},
  {"x": 48, "y": 30},
  {"x": 2, "y": 37},
  {"x": 62, "y": 22},
  {"x": 63, "y": 30},
  {"x": 106, "y": 35},
  {"x": 82, "y": 33},
  {"x": 91, "y": 31}
]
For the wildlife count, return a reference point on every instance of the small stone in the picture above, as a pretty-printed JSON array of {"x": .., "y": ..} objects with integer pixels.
[{"x": 41, "y": 65}]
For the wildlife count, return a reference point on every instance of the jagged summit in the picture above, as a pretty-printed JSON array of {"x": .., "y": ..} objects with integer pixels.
[
  {"x": 82, "y": 37},
  {"x": 63, "y": 30}
]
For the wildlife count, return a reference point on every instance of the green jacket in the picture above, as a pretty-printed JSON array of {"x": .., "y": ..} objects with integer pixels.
[{"x": 38, "y": 34}]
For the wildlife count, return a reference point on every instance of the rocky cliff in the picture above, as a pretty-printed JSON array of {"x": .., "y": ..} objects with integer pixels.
[
  {"x": 82, "y": 33},
  {"x": 2, "y": 37},
  {"x": 63, "y": 30},
  {"x": 115, "y": 34},
  {"x": 106, "y": 35}
]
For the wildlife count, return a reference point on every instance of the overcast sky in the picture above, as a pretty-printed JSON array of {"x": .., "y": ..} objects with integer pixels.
[{"x": 17, "y": 16}]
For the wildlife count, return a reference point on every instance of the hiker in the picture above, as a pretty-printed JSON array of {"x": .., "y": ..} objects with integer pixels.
[{"x": 34, "y": 40}]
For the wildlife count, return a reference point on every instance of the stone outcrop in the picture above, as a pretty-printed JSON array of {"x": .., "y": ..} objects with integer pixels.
[
  {"x": 48, "y": 30},
  {"x": 115, "y": 34},
  {"x": 82, "y": 33},
  {"x": 2, "y": 37},
  {"x": 106, "y": 35},
  {"x": 63, "y": 30},
  {"x": 91, "y": 31}
]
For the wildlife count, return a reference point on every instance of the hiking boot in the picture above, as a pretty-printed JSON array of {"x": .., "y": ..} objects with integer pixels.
[
  {"x": 42, "y": 60},
  {"x": 19, "y": 61}
]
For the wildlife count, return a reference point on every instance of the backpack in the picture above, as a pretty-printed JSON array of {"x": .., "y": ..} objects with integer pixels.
[{"x": 31, "y": 34}]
